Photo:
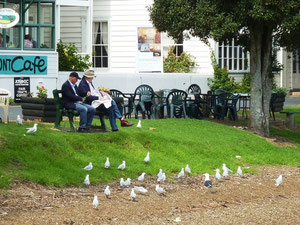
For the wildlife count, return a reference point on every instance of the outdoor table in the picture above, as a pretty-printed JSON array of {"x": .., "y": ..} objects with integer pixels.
[{"x": 244, "y": 104}]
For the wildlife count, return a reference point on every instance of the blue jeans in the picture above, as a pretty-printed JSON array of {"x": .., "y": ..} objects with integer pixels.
[
  {"x": 87, "y": 113},
  {"x": 113, "y": 114}
]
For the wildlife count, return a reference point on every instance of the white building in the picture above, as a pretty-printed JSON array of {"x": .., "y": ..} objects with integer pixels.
[{"x": 117, "y": 34}]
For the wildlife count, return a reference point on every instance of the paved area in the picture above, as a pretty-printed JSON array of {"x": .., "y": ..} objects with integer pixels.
[{"x": 16, "y": 109}]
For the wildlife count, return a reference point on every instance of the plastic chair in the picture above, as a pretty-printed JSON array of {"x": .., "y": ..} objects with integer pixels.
[
  {"x": 176, "y": 104},
  {"x": 125, "y": 108},
  {"x": 194, "y": 88},
  {"x": 220, "y": 110},
  {"x": 4, "y": 103},
  {"x": 143, "y": 101}
]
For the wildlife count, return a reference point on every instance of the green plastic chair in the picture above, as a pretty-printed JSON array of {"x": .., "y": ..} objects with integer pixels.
[
  {"x": 176, "y": 104},
  {"x": 125, "y": 108}
]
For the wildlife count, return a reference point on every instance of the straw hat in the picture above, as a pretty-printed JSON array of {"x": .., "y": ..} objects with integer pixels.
[{"x": 89, "y": 73}]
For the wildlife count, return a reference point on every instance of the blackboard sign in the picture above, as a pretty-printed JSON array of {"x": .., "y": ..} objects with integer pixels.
[{"x": 22, "y": 87}]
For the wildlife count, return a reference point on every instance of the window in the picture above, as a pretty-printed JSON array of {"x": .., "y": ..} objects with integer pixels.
[
  {"x": 36, "y": 27},
  {"x": 232, "y": 56},
  {"x": 100, "y": 44},
  {"x": 169, "y": 42},
  {"x": 296, "y": 62}
]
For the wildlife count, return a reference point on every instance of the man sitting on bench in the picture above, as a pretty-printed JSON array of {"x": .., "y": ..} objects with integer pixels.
[
  {"x": 101, "y": 100},
  {"x": 72, "y": 100}
]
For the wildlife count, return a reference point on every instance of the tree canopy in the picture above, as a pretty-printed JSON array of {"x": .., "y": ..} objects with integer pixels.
[{"x": 255, "y": 25}]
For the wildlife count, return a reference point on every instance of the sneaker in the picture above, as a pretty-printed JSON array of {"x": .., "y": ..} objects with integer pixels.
[{"x": 125, "y": 123}]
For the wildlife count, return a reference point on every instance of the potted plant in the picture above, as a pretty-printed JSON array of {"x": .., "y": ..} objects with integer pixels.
[
  {"x": 40, "y": 107},
  {"x": 278, "y": 98}
]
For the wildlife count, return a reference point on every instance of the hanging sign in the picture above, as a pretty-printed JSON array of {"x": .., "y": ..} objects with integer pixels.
[{"x": 8, "y": 18}]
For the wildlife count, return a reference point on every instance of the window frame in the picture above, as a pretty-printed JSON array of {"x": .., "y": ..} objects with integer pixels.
[{"x": 296, "y": 62}]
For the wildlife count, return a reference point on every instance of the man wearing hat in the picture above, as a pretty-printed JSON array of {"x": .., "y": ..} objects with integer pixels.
[
  {"x": 101, "y": 100},
  {"x": 72, "y": 100}
]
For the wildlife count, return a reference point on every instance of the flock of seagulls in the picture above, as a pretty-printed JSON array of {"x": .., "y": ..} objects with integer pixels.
[{"x": 161, "y": 176}]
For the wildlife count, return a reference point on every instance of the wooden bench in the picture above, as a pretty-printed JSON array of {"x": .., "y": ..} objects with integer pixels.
[
  {"x": 70, "y": 113},
  {"x": 289, "y": 120}
]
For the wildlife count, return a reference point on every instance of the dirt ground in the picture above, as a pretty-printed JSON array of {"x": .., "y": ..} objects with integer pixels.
[{"x": 250, "y": 199}]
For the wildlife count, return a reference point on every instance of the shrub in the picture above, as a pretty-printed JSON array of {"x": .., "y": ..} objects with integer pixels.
[
  {"x": 69, "y": 60},
  {"x": 178, "y": 64},
  {"x": 41, "y": 92}
]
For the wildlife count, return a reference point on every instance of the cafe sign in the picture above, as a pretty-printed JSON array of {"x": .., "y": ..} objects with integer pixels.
[
  {"x": 25, "y": 65},
  {"x": 8, "y": 18}
]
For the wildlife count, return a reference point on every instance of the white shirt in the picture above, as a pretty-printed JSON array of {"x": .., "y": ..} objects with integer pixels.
[{"x": 73, "y": 87}]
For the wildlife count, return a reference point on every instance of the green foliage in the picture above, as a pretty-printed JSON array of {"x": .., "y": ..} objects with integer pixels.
[
  {"x": 178, "y": 64},
  {"x": 56, "y": 158},
  {"x": 69, "y": 60},
  {"x": 41, "y": 92},
  {"x": 11, "y": 101},
  {"x": 280, "y": 91}
]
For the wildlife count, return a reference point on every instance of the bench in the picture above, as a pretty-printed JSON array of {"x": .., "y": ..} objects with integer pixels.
[
  {"x": 289, "y": 120},
  {"x": 70, "y": 113},
  {"x": 4, "y": 103}
]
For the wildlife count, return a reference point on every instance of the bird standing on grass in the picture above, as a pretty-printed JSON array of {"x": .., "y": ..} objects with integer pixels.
[
  {"x": 218, "y": 175},
  {"x": 139, "y": 124},
  {"x": 278, "y": 180},
  {"x": 147, "y": 158},
  {"x": 87, "y": 180},
  {"x": 122, "y": 166},
  {"x": 133, "y": 194},
  {"x": 19, "y": 120},
  {"x": 32, "y": 129},
  {"x": 207, "y": 181},
  {"x": 226, "y": 170},
  {"x": 141, "y": 178},
  {"x": 107, "y": 163},
  {"x": 181, "y": 173},
  {"x": 88, "y": 167},
  {"x": 239, "y": 171},
  {"x": 127, "y": 182},
  {"x": 187, "y": 169},
  {"x": 95, "y": 202}
]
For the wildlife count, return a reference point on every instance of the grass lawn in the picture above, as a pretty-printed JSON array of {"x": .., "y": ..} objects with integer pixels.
[{"x": 56, "y": 158}]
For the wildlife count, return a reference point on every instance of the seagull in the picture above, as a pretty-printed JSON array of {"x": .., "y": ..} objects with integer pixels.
[
  {"x": 181, "y": 173},
  {"x": 226, "y": 170},
  {"x": 107, "y": 191},
  {"x": 107, "y": 163},
  {"x": 187, "y": 169},
  {"x": 88, "y": 167},
  {"x": 159, "y": 189},
  {"x": 139, "y": 125},
  {"x": 122, "y": 182},
  {"x": 95, "y": 202},
  {"x": 19, "y": 120},
  {"x": 278, "y": 181},
  {"x": 207, "y": 182},
  {"x": 218, "y": 175},
  {"x": 127, "y": 182},
  {"x": 132, "y": 194},
  {"x": 122, "y": 166},
  {"x": 239, "y": 171},
  {"x": 161, "y": 177},
  {"x": 159, "y": 173},
  {"x": 141, "y": 178},
  {"x": 87, "y": 180},
  {"x": 32, "y": 129},
  {"x": 141, "y": 189},
  {"x": 147, "y": 158}
]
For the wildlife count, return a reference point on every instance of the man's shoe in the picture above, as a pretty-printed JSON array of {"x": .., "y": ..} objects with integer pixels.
[
  {"x": 83, "y": 130},
  {"x": 115, "y": 130},
  {"x": 125, "y": 123}
]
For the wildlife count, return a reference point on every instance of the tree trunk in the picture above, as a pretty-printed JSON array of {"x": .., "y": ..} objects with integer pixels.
[{"x": 261, "y": 80}]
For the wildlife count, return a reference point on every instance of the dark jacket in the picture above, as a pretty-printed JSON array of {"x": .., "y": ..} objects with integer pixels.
[
  {"x": 84, "y": 88},
  {"x": 68, "y": 96}
]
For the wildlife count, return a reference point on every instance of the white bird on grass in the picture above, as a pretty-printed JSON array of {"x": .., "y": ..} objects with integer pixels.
[
  {"x": 19, "y": 120},
  {"x": 122, "y": 183},
  {"x": 88, "y": 167},
  {"x": 181, "y": 173},
  {"x": 133, "y": 194},
  {"x": 95, "y": 202},
  {"x": 207, "y": 182},
  {"x": 122, "y": 166},
  {"x": 107, "y": 191},
  {"x": 159, "y": 173},
  {"x": 139, "y": 124},
  {"x": 218, "y": 175},
  {"x": 107, "y": 163},
  {"x": 141, "y": 189},
  {"x": 278, "y": 180},
  {"x": 32, "y": 129},
  {"x": 187, "y": 169},
  {"x": 87, "y": 180},
  {"x": 161, "y": 177},
  {"x": 226, "y": 170},
  {"x": 239, "y": 171},
  {"x": 147, "y": 158},
  {"x": 159, "y": 189},
  {"x": 141, "y": 178}
]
